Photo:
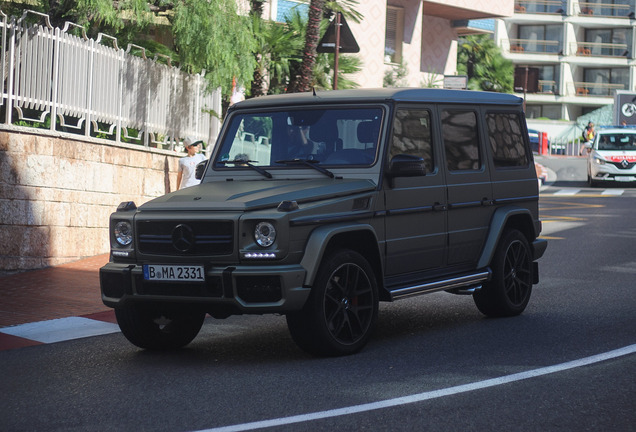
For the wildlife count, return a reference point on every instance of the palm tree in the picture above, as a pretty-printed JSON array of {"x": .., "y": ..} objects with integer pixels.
[
  {"x": 323, "y": 71},
  {"x": 304, "y": 81},
  {"x": 481, "y": 60}
]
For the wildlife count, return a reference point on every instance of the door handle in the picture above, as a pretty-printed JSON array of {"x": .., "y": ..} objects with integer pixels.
[
  {"x": 487, "y": 202},
  {"x": 439, "y": 207}
]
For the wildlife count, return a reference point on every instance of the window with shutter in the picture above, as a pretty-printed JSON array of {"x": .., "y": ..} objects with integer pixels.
[{"x": 394, "y": 35}]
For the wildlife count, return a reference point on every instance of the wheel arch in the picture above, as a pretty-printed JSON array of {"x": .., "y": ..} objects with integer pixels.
[
  {"x": 509, "y": 217},
  {"x": 323, "y": 240}
]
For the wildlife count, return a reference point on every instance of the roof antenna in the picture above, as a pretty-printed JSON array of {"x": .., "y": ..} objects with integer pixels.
[{"x": 313, "y": 89}]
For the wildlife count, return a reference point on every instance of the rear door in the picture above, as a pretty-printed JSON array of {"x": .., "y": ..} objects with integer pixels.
[
  {"x": 470, "y": 197},
  {"x": 512, "y": 170}
]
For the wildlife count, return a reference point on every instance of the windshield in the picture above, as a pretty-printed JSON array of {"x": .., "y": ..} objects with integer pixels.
[
  {"x": 617, "y": 141},
  {"x": 326, "y": 137}
]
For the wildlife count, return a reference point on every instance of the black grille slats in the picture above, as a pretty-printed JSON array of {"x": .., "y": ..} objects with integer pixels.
[
  {"x": 622, "y": 166},
  {"x": 185, "y": 238}
]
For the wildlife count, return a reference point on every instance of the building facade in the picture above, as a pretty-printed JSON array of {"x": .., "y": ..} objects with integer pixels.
[
  {"x": 570, "y": 56},
  {"x": 417, "y": 35}
]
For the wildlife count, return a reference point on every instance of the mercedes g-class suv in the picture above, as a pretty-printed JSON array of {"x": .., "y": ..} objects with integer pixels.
[{"x": 319, "y": 206}]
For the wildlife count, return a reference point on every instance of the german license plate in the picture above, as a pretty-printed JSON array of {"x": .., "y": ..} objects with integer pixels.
[
  {"x": 177, "y": 273},
  {"x": 623, "y": 178}
]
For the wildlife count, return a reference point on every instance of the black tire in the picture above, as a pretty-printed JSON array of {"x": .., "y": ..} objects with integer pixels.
[
  {"x": 508, "y": 292},
  {"x": 157, "y": 327},
  {"x": 342, "y": 308}
]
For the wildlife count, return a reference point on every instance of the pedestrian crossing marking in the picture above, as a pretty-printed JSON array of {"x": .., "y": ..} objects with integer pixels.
[
  {"x": 565, "y": 192},
  {"x": 588, "y": 193},
  {"x": 613, "y": 192}
]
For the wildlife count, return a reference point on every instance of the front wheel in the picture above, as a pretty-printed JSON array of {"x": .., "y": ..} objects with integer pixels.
[
  {"x": 508, "y": 292},
  {"x": 158, "y": 327},
  {"x": 341, "y": 310}
]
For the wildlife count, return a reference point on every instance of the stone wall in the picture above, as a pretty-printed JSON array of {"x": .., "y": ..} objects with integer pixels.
[{"x": 57, "y": 192}]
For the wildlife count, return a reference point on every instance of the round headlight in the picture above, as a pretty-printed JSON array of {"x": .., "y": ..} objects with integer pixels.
[
  {"x": 123, "y": 233},
  {"x": 264, "y": 234}
]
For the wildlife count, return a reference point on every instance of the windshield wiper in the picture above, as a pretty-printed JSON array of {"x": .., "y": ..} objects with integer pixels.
[
  {"x": 311, "y": 163},
  {"x": 247, "y": 163}
]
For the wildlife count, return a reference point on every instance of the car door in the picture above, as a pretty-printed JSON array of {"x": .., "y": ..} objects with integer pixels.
[
  {"x": 512, "y": 172},
  {"x": 470, "y": 199},
  {"x": 415, "y": 226}
]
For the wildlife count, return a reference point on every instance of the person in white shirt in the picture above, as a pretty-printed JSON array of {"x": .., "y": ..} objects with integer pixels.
[{"x": 188, "y": 164}]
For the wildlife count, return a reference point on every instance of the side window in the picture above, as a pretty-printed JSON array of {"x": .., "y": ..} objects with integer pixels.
[
  {"x": 412, "y": 135},
  {"x": 506, "y": 140},
  {"x": 461, "y": 140}
]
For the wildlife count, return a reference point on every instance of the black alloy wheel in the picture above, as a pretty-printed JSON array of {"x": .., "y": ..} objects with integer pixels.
[
  {"x": 342, "y": 308},
  {"x": 508, "y": 292}
]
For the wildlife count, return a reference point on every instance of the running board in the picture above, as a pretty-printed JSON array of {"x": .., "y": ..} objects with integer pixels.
[{"x": 441, "y": 285}]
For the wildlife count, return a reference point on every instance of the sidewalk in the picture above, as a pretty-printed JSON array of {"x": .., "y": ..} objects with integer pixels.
[{"x": 56, "y": 292}]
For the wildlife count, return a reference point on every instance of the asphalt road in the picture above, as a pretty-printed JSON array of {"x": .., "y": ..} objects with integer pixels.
[{"x": 568, "y": 363}]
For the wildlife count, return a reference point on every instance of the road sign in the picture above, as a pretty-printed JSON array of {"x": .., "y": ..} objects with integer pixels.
[{"x": 347, "y": 44}]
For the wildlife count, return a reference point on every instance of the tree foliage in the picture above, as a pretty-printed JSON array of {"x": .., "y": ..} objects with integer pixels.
[
  {"x": 211, "y": 35},
  {"x": 481, "y": 60},
  {"x": 206, "y": 35}
]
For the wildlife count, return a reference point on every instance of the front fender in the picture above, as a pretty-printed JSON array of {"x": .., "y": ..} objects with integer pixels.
[{"x": 320, "y": 239}]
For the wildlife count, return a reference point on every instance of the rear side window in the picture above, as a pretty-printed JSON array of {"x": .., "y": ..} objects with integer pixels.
[
  {"x": 506, "y": 140},
  {"x": 412, "y": 135},
  {"x": 461, "y": 140}
]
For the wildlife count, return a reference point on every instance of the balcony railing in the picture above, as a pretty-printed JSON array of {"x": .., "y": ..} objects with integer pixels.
[
  {"x": 596, "y": 49},
  {"x": 547, "y": 87},
  {"x": 596, "y": 89},
  {"x": 534, "y": 46},
  {"x": 540, "y": 6},
  {"x": 600, "y": 9}
]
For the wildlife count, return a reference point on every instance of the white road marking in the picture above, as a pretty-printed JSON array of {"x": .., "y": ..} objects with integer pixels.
[
  {"x": 613, "y": 192},
  {"x": 428, "y": 395},
  {"x": 61, "y": 329},
  {"x": 567, "y": 192}
]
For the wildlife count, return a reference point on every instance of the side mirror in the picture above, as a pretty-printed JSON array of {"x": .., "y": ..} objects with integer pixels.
[
  {"x": 200, "y": 169},
  {"x": 403, "y": 165}
]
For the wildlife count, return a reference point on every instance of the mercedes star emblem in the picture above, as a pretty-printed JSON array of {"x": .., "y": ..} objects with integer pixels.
[{"x": 182, "y": 238}]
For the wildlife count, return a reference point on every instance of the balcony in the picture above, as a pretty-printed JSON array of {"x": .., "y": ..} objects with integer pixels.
[
  {"x": 534, "y": 46},
  {"x": 555, "y": 7},
  {"x": 595, "y": 89},
  {"x": 605, "y": 10},
  {"x": 596, "y": 49}
]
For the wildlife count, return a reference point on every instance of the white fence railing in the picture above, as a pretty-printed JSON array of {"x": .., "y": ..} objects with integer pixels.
[{"x": 62, "y": 82}]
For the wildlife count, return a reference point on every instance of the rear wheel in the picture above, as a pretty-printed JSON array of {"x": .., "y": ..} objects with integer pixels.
[
  {"x": 159, "y": 327},
  {"x": 342, "y": 308},
  {"x": 508, "y": 292}
]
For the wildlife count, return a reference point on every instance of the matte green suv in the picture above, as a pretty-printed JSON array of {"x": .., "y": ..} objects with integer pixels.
[{"x": 319, "y": 206}]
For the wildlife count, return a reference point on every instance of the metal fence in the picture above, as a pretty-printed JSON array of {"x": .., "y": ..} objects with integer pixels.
[{"x": 61, "y": 82}]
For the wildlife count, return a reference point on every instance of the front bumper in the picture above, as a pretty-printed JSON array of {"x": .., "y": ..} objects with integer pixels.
[
  {"x": 610, "y": 173},
  {"x": 243, "y": 289}
]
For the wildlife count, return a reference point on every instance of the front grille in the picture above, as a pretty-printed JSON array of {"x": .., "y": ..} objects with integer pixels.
[
  {"x": 185, "y": 238},
  {"x": 627, "y": 166}
]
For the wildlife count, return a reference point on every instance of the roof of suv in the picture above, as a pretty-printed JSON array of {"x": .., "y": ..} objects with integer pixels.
[{"x": 381, "y": 95}]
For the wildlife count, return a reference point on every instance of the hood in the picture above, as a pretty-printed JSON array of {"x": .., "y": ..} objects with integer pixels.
[{"x": 256, "y": 194}]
